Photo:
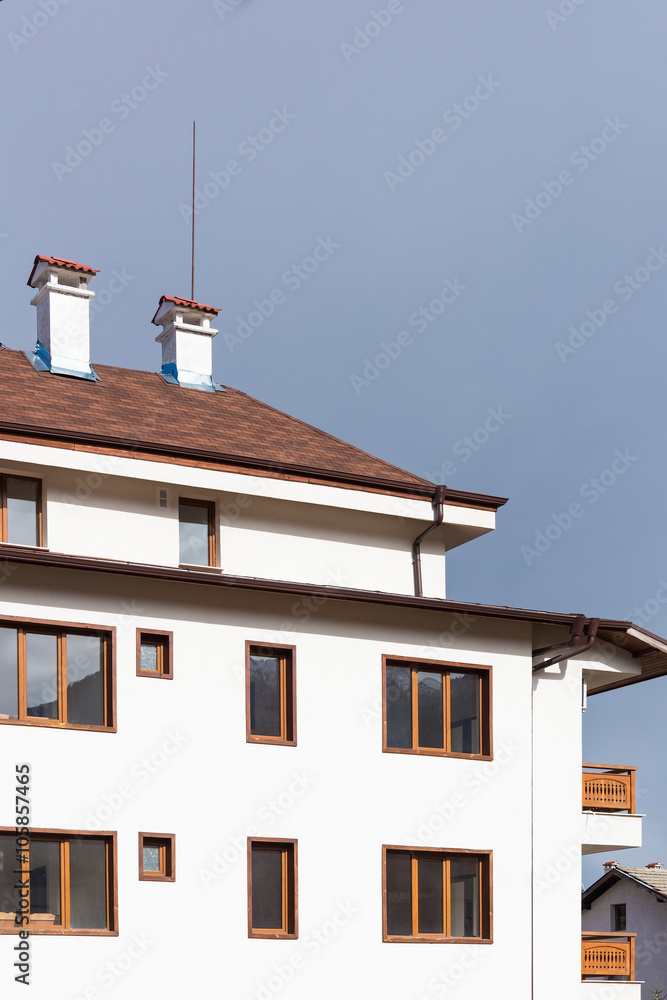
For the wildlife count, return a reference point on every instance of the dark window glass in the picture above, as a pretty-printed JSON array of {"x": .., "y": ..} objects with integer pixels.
[
  {"x": 429, "y": 688},
  {"x": 9, "y": 683},
  {"x": 8, "y": 876},
  {"x": 193, "y": 533},
  {"x": 399, "y": 707},
  {"x": 42, "y": 675},
  {"x": 45, "y": 882},
  {"x": 267, "y": 888},
  {"x": 265, "y": 714},
  {"x": 619, "y": 917},
  {"x": 399, "y": 893},
  {"x": 85, "y": 680},
  {"x": 88, "y": 884},
  {"x": 429, "y": 893},
  {"x": 464, "y": 715},
  {"x": 464, "y": 894},
  {"x": 22, "y": 511}
]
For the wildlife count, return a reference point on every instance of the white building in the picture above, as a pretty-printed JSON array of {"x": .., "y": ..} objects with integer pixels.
[
  {"x": 633, "y": 899},
  {"x": 344, "y": 764}
]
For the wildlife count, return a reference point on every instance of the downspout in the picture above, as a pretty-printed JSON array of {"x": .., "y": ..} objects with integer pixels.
[
  {"x": 572, "y": 649},
  {"x": 591, "y": 630},
  {"x": 439, "y": 508}
]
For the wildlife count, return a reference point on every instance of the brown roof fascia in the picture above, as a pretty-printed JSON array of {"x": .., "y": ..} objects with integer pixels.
[
  {"x": 426, "y": 490},
  {"x": 40, "y": 557}
]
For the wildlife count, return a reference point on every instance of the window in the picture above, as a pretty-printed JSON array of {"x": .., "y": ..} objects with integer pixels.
[
  {"x": 271, "y": 694},
  {"x": 21, "y": 510},
  {"x": 157, "y": 857},
  {"x": 618, "y": 921},
  {"x": 154, "y": 657},
  {"x": 436, "y": 708},
  {"x": 433, "y": 895},
  {"x": 272, "y": 909},
  {"x": 196, "y": 525},
  {"x": 70, "y": 880},
  {"x": 57, "y": 676}
]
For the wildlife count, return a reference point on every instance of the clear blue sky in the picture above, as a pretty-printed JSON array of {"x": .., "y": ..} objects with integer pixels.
[{"x": 506, "y": 148}]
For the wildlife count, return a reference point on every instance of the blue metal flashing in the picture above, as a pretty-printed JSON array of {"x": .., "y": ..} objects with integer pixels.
[
  {"x": 43, "y": 362},
  {"x": 170, "y": 374}
]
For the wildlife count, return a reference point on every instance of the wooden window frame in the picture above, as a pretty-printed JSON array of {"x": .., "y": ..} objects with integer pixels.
[
  {"x": 167, "y": 845},
  {"x": 165, "y": 657},
  {"x": 290, "y": 900},
  {"x": 485, "y": 900},
  {"x": 212, "y": 547},
  {"x": 287, "y": 657},
  {"x": 485, "y": 673},
  {"x": 111, "y": 877},
  {"x": 616, "y": 911},
  {"x": 3, "y": 509},
  {"x": 59, "y": 628}
]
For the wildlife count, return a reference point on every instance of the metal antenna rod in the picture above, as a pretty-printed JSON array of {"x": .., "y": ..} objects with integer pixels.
[{"x": 192, "y": 284}]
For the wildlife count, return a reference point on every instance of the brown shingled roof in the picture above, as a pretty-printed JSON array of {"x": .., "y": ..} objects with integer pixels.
[
  {"x": 655, "y": 878},
  {"x": 137, "y": 408}
]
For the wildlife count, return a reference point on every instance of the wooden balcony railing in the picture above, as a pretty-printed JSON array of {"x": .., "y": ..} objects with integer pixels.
[
  {"x": 608, "y": 955},
  {"x": 609, "y": 789}
]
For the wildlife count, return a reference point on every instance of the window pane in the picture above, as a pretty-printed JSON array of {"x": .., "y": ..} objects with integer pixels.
[
  {"x": 399, "y": 893},
  {"x": 429, "y": 687},
  {"x": 151, "y": 862},
  {"x": 42, "y": 675},
  {"x": 149, "y": 656},
  {"x": 85, "y": 680},
  {"x": 8, "y": 894},
  {"x": 45, "y": 882},
  {"x": 193, "y": 534},
  {"x": 88, "y": 884},
  {"x": 265, "y": 696},
  {"x": 9, "y": 690},
  {"x": 464, "y": 874},
  {"x": 429, "y": 892},
  {"x": 399, "y": 707},
  {"x": 267, "y": 888},
  {"x": 22, "y": 509},
  {"x": 464, "y": 702}
]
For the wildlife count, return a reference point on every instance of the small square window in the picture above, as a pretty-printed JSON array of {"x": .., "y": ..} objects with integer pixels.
[
  {"x": 157, "y": 857},
  {"x": 154, "y": 655},
  {"x": 272, "y": 888},
  {"x": 271, "y": 694}
]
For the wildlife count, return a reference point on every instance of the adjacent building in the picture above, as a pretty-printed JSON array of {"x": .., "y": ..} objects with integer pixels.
[{"x": 343, "y": 764}]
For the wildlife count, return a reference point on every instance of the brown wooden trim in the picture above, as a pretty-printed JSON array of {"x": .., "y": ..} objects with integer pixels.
[
  {"x": 288, "y": 694},
  {"x": 290, "y": 890},
  {"x": 60, "y": 628},
  {"x": 486, "y": 900},
  {"x": 485, "y": 672},
  {"x": 165, "y": 669},
  {"x": 210, "y": 506},
  {"x": 111, "y": 839},
  {"x": 169, "y": 858}
]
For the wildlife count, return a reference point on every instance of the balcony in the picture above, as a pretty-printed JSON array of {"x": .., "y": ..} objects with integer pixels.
[
  {"x": 608, "y": 956},
  {"x": 608, "y": 802}
]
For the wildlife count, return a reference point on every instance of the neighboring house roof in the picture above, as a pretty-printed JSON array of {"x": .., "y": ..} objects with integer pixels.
[
  {"x": 654, "y": 880},
  {"x": 139, "y": 410}
]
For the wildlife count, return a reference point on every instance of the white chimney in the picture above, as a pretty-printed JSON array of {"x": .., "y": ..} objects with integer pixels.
[
  {"x": 187, "y": 351},
  {"x": 63, "y": 320}
]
